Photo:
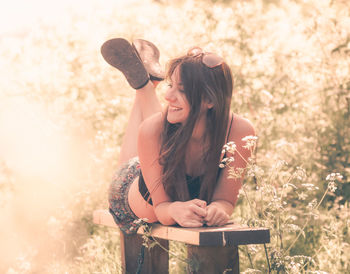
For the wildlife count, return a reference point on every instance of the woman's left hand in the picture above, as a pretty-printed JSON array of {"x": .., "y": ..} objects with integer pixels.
[{"x": 216, "y": 215}]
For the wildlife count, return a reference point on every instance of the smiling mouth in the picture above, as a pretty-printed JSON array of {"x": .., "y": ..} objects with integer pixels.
[{"x": 174, "y": 108}]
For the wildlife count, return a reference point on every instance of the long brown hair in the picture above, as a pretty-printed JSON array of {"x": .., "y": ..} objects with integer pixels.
[{"x": 200, "y": 84}]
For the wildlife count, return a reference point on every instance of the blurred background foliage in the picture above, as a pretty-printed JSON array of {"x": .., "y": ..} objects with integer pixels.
[{"x": 63, "y": 111}]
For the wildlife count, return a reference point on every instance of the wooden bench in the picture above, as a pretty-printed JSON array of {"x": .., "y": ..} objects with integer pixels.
[{"x": 210, "y": 249}]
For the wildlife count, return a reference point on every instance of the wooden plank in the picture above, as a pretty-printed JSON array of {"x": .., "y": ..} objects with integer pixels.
[
  {"x": 103, "y": 217},
  {"x": 228, "y": 235},
  {"x": 257, "y": 236}
]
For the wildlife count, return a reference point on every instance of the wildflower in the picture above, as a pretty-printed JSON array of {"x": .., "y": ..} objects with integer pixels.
[
  {"x": 312, "y": 204},
  {"x": 250, "y": 141},
  {"x": 256, "y": 171},
  {"x": 275, "y": 203},
  {"x": 253, "y": 249},
  {"x": 309, "y": 187},
  {"x": 331, "y": 186},
  {"x": 241, "y": 192},
  {"x": 334, "y": 177},
  {"x": 331, "y": 178},
  {"x": 249, "y": 137},
  {"x": 280, "y": 163},
  {"x": 293, "y": 217},
  {"x": 292, "y": 228},
  {"x": 229, "y": 147},
  {"x": 300, "y": 174},
  {"x": 251, "y": 160},
  {"x": 141, "y": 221},
  {"x": 235, "y": 173},
  {"x": 289, "y": 184},
  {"x": 267, "y": 94},
  {"x": 302, "y": 196},
  {"x": 225, "y": 162}
]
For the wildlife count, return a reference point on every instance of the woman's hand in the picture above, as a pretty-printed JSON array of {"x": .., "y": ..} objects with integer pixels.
[
  {"x": 188, "y": 214},
  {"x": 216, "y": 215}
]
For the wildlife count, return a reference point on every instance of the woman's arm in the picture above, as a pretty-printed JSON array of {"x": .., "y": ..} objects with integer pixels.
[
  {"x": 226, "y": 192},
  {"x": 190, "y": 213}
]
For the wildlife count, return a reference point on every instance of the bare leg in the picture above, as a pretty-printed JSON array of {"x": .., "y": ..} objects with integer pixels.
[{"x": 146, "y": 103}]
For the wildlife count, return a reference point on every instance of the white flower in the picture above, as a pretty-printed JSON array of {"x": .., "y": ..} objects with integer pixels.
[
  {"x": 255, "y": 170},
  {"x": 309, "y": 187},
  {"x": 225, "y": 162},
  {"x": 331, "y": 178},
  {"x": 141, "y": 221},
  {"x": 332, "y": 187},
  {"x": 312, "y": 204},
  {"x": 229, "y": 147},
  {"x": 280, "y": 163},
  {"x": 302, "y": 196},
  {"x": 334, "y": 176},
  {"x": 235, "y": 173},
  {"x": 249, "y": 137},
  {"x": 250, "y": 141},
  {"x": 300, "y": 174}
]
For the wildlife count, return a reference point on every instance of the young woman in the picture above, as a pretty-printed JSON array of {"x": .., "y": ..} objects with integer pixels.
[{"x": 169, "y": 161}]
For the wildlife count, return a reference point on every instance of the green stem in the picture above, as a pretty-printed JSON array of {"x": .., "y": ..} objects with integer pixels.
[
  {"x": 148, "y": 234},
  {"x": 307, "y": 222},
  {"x": 267, "y": 258},
  {"x": 250, "y": 205},
  {"x": 242, "y": 156},
  {"x": 312, "y": 257},
  {"x": 168, "y": 250},
  {"x": 288, "y": 181},
  {"x": 250, "y": 259}
]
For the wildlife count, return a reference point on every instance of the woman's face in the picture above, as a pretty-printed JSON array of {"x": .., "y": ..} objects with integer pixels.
[{"x": 178, "y": 106}]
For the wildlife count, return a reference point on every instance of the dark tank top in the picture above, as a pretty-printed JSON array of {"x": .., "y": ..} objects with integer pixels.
[{"x": 193, "y": 183}]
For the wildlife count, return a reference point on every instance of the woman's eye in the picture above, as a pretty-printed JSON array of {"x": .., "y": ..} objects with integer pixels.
[{"x": 170, "y": 85}]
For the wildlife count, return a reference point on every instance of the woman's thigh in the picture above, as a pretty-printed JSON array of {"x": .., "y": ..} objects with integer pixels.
[
  {"x": 125, "y": 202},
  {"x": 139, "y": 205}
]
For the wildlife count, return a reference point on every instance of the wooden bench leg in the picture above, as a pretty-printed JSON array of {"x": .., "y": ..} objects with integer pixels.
[
  {"x": 156, "y": 260},
  {"x": 207, "y": 259}
]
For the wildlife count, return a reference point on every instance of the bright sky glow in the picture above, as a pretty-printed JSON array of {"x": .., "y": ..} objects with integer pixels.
[{"x": 16, "y": 15}]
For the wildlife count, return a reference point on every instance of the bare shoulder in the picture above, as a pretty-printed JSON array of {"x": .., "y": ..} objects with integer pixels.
[
  {"x": 241, "y": 127},
  {"x": 151, "y": 127}
]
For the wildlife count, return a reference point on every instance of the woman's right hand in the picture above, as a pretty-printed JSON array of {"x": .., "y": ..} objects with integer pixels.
[{"x": 188, "y": 214}]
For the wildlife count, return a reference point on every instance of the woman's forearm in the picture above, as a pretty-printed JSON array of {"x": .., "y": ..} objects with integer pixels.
[
  {"x": 163, "y": 213},
  {"x": 187, "y": 214}
]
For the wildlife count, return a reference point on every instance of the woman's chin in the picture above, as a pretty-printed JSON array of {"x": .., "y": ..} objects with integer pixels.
[{"x": 172, "y": 120}]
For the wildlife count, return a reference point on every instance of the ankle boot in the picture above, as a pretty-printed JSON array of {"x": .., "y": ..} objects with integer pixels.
[
  {"x": 149, "y": 54},
  {"x": 120, "y": 54}
]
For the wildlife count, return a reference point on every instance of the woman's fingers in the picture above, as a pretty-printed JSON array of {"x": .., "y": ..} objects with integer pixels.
[
  {"x": 188, "y": 214},
  {"x": 202, "y": 212},
  {"x": 194, "y": 216},
  {"x": 200, "y": 203},
  {"x": 216, "y": 216},
  {"x": 192, "y": 223},
  {"x": 210, "y": 217}
]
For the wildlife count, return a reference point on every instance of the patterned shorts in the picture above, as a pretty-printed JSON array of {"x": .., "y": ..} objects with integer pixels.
[{"x": 119, "y": 207}]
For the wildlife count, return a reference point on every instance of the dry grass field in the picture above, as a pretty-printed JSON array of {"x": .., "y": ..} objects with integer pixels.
[{"x": 63, "y": 111}]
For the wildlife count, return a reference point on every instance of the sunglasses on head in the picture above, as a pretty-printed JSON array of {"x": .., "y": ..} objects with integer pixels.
[{"x": 211, "y": 60}]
